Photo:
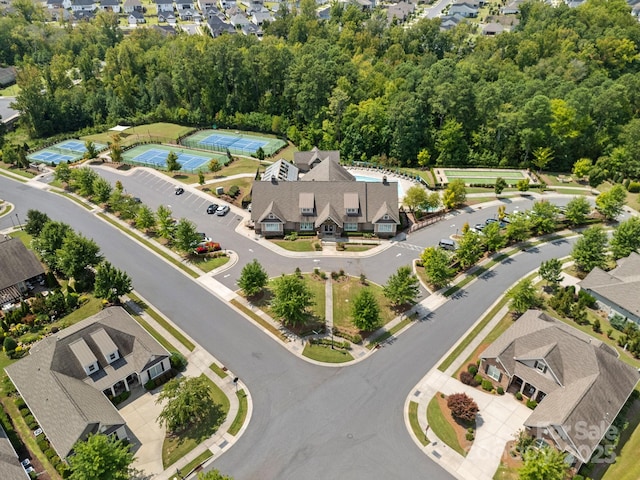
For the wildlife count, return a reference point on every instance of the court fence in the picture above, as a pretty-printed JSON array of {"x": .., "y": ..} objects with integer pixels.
[
  {"x": 155, "y": 166},
  {"x": 194, "y": 140}
]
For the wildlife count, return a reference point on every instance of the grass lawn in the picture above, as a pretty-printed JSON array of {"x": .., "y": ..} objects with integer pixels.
[
  {"x": 237, "y": 423},
  {"x": 415, "y": 425},
  {"x": 167, "y": 130},
  {"x": 388, "y": 334},
  {"x": 152, "y": 331},
  {"x": 351, "y": 247},
  {"x": 633, "y": 199},
  {"x": 343, "y": 294},
  {"x": 324, "y": 353},
  {"x": 627, "y": 466},
  {"x": 16, "y": 171},
  {"x": 166, "y": 325},
  {"x": 298, "y": 245},
  {"x": 287, "y": 153},
  {"x": 442, "y": 424},
  {"x": 176, "y": 447},
  {"x": 218, "y": 370},
  {"x": 244, "y": 184},
  {"x": 256, "y": 318},
  {"x": 11, "y": 91},
  {"x": 24, "y": 237},
  {"x": 196, "y": 462},
  {"x": 206, "y": 264},
  {"x": 317, "y": 287}
]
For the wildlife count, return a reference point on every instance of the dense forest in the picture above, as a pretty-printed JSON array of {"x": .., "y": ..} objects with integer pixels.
[{"x": 565, "y": 79}]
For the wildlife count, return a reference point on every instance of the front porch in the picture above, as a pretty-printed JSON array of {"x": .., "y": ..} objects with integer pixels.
[
  {"x": 526, "y": 389},
  {"x": 124, "y": 385}
]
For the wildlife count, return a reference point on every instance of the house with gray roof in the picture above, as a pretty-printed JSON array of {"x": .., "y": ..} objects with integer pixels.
[
  {"x": 465, "y": 9},
  {"x": 281, "y": 170},
  {"x": 400, "y": 11},
  {"x": 9, "y": 461},
  {"x": 305, "y": 161},
  {"x": 110, "y": 5},
  {"x": 327, "y": 201},
  {"x": 217, "y": 26},
  {"x": 164, "y": 5},
  {"x": 18, "y": 267},
  {"x": 617, "y": 291},
  {"x": 579, "y": 382},
  {"x": 68, "y": 377},
  {"x": 132, "y": 6}
]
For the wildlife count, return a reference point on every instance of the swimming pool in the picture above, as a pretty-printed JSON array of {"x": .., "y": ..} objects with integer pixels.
[{"x": 364, "y": 178}]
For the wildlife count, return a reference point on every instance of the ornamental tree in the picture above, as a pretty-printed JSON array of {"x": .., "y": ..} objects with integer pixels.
[
  {"x": 577, "y": 211},
  {"x": 523, "y": 296},
  {"x": 462, "y": 407},
  {"x": 188, "y": 402},
  {"x": 500, "y": 185},
  {"x": 626, "y": 238},
  {"x": 111, "y": 283},
  {"x": 544, "y": 464},
  {"x": 610, "y": 203},
  {"x": 145, "y": 218},
  {"x": 173, "y": 164},
  {"x": 36, "y": 220},
  {"x": 437, "y": 268},
  {"x": 590, "y": 250},
  {"x": 551, "y": 272}
]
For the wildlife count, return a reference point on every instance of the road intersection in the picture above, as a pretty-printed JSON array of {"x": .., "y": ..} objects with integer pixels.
[{"x": 308, "y": 421}]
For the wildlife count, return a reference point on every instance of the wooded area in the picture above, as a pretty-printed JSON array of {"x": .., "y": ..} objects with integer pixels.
[{"x": 565, "y": 80}]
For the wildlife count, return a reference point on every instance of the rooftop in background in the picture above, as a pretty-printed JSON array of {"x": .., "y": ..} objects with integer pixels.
[
  {"x": 9, "y": 462},
  {"x": 7, "y": 113}
]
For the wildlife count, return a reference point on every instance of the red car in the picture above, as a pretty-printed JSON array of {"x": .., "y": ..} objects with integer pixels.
[{"x": 207, "y": 247}]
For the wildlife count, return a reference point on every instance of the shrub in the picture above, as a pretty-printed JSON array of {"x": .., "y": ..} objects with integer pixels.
[
  {"x": 618, "y": 322},
  {"x": 586, "y": 299},
  {"x": 9, "y": 345},
  {"x": 363, "y": 279},
  {"x": 532, "y": 404},
  {"x": 478, "y": 378},
  {"x": 472, "y": 368},
  {"x": 317, "y": 246},
  {"x": 352, "y": 337},
  {"x": 596, "y": 326},
  {"x": 577, "y": 477},
  {"x": 610, "y": 333},
  {"x": 118, "y": 399},
  {"x": 43, "y": 443},
  {"x": 518, "y": 395},
  {"x": 462, "y": 407},
  {"x": 50, "y": 453},
  {"x": 31, "y": 422},
  {"x": 487, "y": 385},
  {"x": 500, "y": 391},
  {"x": 178, "y": 361},
  {"x": 233, "y": 191},
  {"x": 298, "y": 272},
  {"x": 469, "y": 436},
  {"x": 634, "y": 187},
  {"x": 20, "y": 403},
  {"x": 468, "y": 379},
  {"x": 24, "y": 411}
]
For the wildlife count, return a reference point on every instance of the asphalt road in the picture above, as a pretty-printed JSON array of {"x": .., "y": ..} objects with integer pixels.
[{"x": 308, "y": 421}]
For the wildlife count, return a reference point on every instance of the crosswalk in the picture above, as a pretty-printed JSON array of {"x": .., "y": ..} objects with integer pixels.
[{"x": 409, "y": 246}]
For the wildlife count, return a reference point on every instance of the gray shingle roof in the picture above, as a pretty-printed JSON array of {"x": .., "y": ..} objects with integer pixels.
[
  {"x": 328, "y": 170},
  {"x": 620, "y": 286},
  {"x": 283, "y": 197},
  {"x": 66, "y": 402},
  {"x": 9, "y": 464},
  {"x": 592, "y": 383},
  {"x": 303, "y": 160},
  {"x": 17, "y": 263}
]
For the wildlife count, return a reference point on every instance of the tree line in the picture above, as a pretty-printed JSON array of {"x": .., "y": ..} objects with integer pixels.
[{"x": 564, "y": 80}]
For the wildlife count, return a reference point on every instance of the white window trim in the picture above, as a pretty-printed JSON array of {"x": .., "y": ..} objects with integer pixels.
[
  {"x": 494, "y": 373},
  {"x": 348, "y": 225},
  {"x": 385, "y": 227},
  {"x": 306, "y": 226},
  {"x": 538, "y": 364},
  {"x": 272, "y": 227},
  {"x": 352, "y": 211}
]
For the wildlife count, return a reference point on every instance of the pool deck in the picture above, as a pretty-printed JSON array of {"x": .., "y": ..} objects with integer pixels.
[{"x": 405, "y": 184}]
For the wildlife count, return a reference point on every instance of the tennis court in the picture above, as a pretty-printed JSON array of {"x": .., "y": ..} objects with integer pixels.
[
  {"x": 51, "y": 157},
  {"x": 238, "y": 143},
  {"x": 481, "y": 176},
  {"x": 78, "y": 146},
  {"x": 155, "y": 156}
]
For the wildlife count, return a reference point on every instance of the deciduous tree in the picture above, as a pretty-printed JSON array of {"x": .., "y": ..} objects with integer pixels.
[
  {"x": 577, "y": 211},
  {"x": 115, "y": 149},
  {"x": 543, "y": 217},
  {"x": 365, "y": 311},
  {"x": 469, "y": 249},
  {"x": 50, "y": 241},
  {"x": 590, "y": 250},
  {"x": 462, "y": 407},
  {"x": 111, "y": 283},
  {"x": 493, "y": 238},
  {"x": 519, "y": 228},
  {"x": 36, "y": 220},
  {"x": 101, "y": 189},
  {"x": 610, "y": 203},
  {"x": 291, "y": 299},
  {"x": 551, "y": 272},
  {"x": 581, "y": 168},
  {"x": 90, "y": 150},
  {"x": 82, "y": 180},
  {"x": 76, "y": 254},
  {"x": 626, "y": 238},
  {"x": 62, "y": 173},
  {"x": 402, "y": 287},
  {"x": 166, "y": 223},
  {"x": 437, "y": 268},
  {"x": 213, "y": 475},
  {"x": 500, "y": 185},
  {"x": 214, "y": 165},
  {"x": 541, "y": 157},
  {"x": 173, "y": 165},
  {"x": 415, "y": 198},
  {"x": 455, "y": 194},
  {"x": 253, "y": 278},
  {"x": 188, "y": 402},
  {"x": 186, "y": 236},
  {"x": 523, "y": 296},
  {"x": 101, "y": 457},
  {"x": 543, "y": 464}
]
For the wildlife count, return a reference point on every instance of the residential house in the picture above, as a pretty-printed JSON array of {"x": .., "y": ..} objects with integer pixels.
[
  {"x": 164, "y": 5},
  {"x": 512, "y": 8},
  {"x": 617, "y": 291},
  {"x": 399, "y": 12},
  {"x": 164, "y": 30},
  {"x": 54, "y": 4},
  {"x": 217, "y": 26},
  {"x": 324, "y": 12},
  {"x": 305, "y": 161},
  {"x": 239, "y": 20},
  {"x": 492, "y": 28},
  {"x": 579, "y": 382},
  {"x": 447, "y": 22},
  {"x": 7, "y": 76},
  {"x": 226, "y": 4},
  {"x": 84, "y": 16},
  {"x": 363, "y": 4},
  {"x": 80, "y": 5},
  {"x": 282, "y": 171},
  {"x": 132, "y": 6},
  {"x": 68, "y": 376},
  {"x": 251, "y": 29},
  {"x": 258, "y": 18},
  {"x": 467, "y": 10},
  {"x": 110, "y": 5},
  {"x": 184, "y": 5},
  {"x": 135, "y": 18},
  {"x": 20, "y": 267},
  {"x": 9, "y": 460},
  {"x": 328, "y": 201},
  {"x": 186, "y": 14},
  {"x": 206, "y": 4}
]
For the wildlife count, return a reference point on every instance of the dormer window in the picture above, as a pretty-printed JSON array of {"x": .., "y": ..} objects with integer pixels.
[
  {"x": 351, "y": 203},
  {"x": 540, "y": 366},
  {"x": 113, "y": 357},
  {"x": 306, "y": 203},
  {"x": 92, "y": 368}
]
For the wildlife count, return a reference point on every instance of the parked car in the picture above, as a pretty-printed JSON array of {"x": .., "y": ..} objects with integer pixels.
[
  {"x": 249, "y": 208},
  {"x": 222, "y": 211},
  {"x": 490, "y": 220},
  {"x": 212, "y": 208},
  {"x": 179, "y": 190},
  {"x": 479, "y": 226},
  {"x": 204, "y": 237},
  {"x": 207, "y": 247}
]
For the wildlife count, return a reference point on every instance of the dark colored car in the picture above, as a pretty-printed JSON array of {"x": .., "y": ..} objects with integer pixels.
[
  {"x": 179, "y": 191},
  {"x": 212, "y": 208}
]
